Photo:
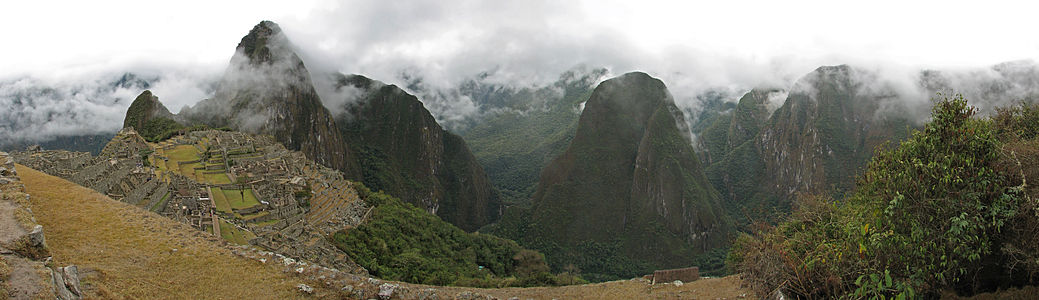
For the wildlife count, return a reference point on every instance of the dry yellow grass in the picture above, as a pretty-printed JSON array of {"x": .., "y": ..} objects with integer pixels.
[
  {"x": 706, "y": 288},
  {"x": 127, "y": 252}
]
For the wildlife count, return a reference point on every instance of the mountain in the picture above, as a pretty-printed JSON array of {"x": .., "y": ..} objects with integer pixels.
[
  {"x": 816, "y": 142},
  {"x": 628, "y": 189},
  {"x": 268, "y": 90},
  {"x": 521, "y": 130},
  {"x": 150, "y": 117},
  {"x": 405, "y": 152}
]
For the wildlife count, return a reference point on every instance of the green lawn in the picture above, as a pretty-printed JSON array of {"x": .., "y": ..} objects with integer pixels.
[
  {"x": 233, "y": 234},
  {"x": 183, "y": 153},
  {"x": 221, "y": 201},
  {"x": 218, "y": 178},
  {"x": 189, "y": 170},
  {"x": 236, "y": 200}
]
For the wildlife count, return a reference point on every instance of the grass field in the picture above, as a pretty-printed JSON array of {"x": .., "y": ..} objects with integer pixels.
[
  {"x": 183, "y": 153},
  {"x": 239, "y": 200},
  {"x": 233, "y": 234},
  {"x": 127, "y": 253},
  {"x": 218, "y": 178},
  {"x": 221, "y": 201}
]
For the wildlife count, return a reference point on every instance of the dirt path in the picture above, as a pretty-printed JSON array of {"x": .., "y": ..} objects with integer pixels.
[
  {"x": 126, "y": 252},
  {"x": 706, "y": 288},
  {"x": 9, "y": 227}
]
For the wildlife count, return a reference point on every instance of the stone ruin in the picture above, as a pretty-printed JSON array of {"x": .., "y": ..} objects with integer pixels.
[
  {"x": 301, "y": 202},
  {"x": 683, "y": 275},
  {"x": 23, "y": 247}
]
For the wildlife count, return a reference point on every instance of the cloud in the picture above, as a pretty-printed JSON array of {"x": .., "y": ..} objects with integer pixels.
[{"x": 432, "y": 47}]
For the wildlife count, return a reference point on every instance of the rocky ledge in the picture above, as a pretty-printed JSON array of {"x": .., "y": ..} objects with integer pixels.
[{"x": 25, "y": 269}]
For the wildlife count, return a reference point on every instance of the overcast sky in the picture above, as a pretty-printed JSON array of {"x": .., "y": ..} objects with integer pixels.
[{"x": 691, "y": 45}]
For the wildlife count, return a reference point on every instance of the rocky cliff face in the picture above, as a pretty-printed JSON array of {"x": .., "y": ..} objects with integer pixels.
[
  {"x": 405, "y": 152},
  {"x": 631, "y": 174},
  {"x": 816, "y": 142},
  {"x": 826, "y": 131},
  {"x": 268, "y": 90}
]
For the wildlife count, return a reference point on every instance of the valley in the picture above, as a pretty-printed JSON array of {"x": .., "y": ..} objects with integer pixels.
[{"x": 288, "y": 173}]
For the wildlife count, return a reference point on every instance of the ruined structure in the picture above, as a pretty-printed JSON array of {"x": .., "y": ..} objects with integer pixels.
[
  {"x": 23, "y": 247},
  {"x": 246, "y": 188}
]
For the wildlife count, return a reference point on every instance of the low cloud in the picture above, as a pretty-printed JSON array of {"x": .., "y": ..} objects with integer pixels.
[{"x": 432, "y": 48}]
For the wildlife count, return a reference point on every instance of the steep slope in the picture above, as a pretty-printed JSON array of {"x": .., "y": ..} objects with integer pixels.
[
  {"x": 133, "y": 253},
  {"x": 629, "y": 178},
  {"x": 149, "y": 117},
  {"x": 827, "y": 130},
  {"x": 520, "y": 131},
  {"x": 816, "y": 142},
  {"x": 268, "y": 90},
  {"x": 404, "y": 152},
  {"x": 737, "y": 169}
]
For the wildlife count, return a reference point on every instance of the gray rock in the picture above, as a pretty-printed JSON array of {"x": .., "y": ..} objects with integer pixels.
[
  {"x": 66, "y": 283},
  {"x": 36, "y": 238},
  {"x": 386, "y": 291},
  {"x": 71, "y": 274},
  {"x": 305, "y": 288}
]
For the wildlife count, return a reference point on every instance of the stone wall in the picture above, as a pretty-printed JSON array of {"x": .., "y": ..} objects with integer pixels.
[
  {"x": 684, "y": 275},
  {"x": 23, "y": 247}
]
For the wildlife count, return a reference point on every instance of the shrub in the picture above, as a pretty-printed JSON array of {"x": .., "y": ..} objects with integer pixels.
[{"x": 926, "y": 216}]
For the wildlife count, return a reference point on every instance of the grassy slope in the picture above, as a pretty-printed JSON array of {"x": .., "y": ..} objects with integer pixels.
[{"x": 131, "y": 251}]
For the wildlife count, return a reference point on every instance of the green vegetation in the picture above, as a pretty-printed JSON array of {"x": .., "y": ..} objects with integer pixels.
[
  {"x": 159, "y": 129},
  {"x": 222, "y": 205},
  {"x": 216, "y": 178},
  {"x": 238, "y": 199},
  {"x": 627, "y": 196},
  {"x": 403, "y": 151},
  {"x": 948, "y": 209},
  {"x": 514, "y": 145},
  {"x": 402, "y": 242},
  {"x": 232, "y": 234}
]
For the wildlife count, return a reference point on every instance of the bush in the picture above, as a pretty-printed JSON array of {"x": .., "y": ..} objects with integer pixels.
[
  {"x": 402, "y": 242},
  {"x": 926, "y": 216}
]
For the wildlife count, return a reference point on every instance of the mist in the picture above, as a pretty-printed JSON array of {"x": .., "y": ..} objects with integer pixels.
[{"x": 431, "y": 48}]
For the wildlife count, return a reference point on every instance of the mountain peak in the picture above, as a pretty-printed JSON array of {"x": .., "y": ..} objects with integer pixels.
[
  {"x": 265, "y": 43},
  {"x": 143, "y": 109}
]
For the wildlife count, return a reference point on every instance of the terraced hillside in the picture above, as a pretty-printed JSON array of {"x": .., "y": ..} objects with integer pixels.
[
  {"x": 247, "y": 189},
  {"x": 156, "y": 257}
]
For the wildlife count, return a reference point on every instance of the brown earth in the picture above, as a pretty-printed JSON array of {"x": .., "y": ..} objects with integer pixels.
[{"x": 126, "y": 252}]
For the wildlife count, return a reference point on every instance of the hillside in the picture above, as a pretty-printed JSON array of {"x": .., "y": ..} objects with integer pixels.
[
  {"x": 378, "y": 133},
  {"x": 405, "y": 152},
  {"x": 947, "y": 211},
  {"x": 268, "y": 90},
  {"x": 522, "y": 130},
  {"x": 629, "y": 194},
  {"x": 123, "y": 251},
  {"x": 821, "y": 137}
]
